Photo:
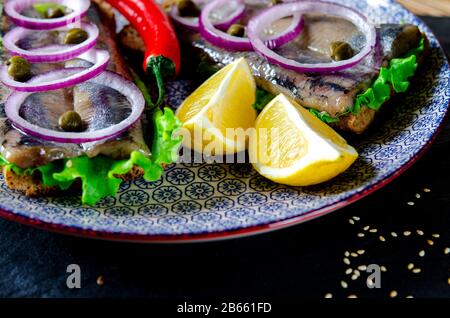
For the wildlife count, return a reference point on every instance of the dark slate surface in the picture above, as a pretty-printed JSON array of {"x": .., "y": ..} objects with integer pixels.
[{"x": 302, "y": 261}]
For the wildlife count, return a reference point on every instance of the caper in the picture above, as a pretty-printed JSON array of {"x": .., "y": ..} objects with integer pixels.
[
  {"x": 53, "y": 13},
  {"x": 187, "y": 8},
  {"x": 408, "y": 38},
  {"x": 71, "y": 121},
  {"x": 75, "y": 36},
  {"x": 236, "y": 30},
  {"x": 19, "y": 68},
  {"x": 341, "y": 51}
]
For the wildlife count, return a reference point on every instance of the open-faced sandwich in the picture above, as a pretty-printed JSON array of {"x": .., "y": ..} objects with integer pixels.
[
  {"x": 70, "y": 116},
  {"x": 327, "y": 57}
]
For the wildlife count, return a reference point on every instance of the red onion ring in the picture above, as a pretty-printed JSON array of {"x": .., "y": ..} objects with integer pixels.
[
  {"x": 257, "y": 25},
  {"x": 107, "y": 78},
  {"x": 53, "y": 53},
  {"x": 229, "y": 42},
  {"x": 45, "y": 82},
  {"x": 13, "y": 9},
  {"x": 192, "y": 23}
]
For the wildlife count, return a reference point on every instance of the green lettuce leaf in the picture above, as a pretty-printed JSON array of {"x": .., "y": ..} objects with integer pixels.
[
  {"x": 99, "y": 175},
  {"x": 262, "y": 99},
  {"x": 165, "y": 144},
  {"x": 397, "y": 75},
  {"x": 94, "y": 175},
  {"x": 205, "y": 70},
  {"x": 3, "y": 161},
  {"x": 376, "y": 95},
  {"x": 323, "y": 116}
]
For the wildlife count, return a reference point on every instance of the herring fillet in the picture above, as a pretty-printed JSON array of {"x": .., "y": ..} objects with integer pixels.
[
  {"x": 44, "y": 109},
  {"x": 334, "y": 93}
]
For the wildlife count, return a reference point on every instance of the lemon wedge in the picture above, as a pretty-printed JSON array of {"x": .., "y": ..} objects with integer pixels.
[
  {"x": 293, "y": 147},
  {"x": 217, "y": 113}
]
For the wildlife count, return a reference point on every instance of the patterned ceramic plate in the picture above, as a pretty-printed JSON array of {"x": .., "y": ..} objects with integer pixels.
[{"x": 210, "y": 201}]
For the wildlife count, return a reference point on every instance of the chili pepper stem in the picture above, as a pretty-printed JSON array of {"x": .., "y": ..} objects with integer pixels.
[
  {"x": 142, "y": 87},
  {"x": 161, "y": 68},
  {"x": 159, "y": 83}
]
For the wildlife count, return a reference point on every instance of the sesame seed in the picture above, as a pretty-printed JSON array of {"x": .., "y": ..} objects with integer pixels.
[
  {"x": 416, "y": 270},
  {"x": 354, "y": 254},
  {"x": 420, "y": 232},
  {"x": 447, "y": 250},
  {"x": 356, "y": 218},
  {"x": 435, "y": 235},
  {"x": 369, "y": 282},
  {"x": 329, "y": 295},
  {"x": 417, "y": 196},
  {"x": 422, "y": 253},
  {"x": 430, "y": 242},
  {"x": 426, "y": 190},
  {"x": 352, "y": 296},
  {"x": 362, "y": 267},
  {"x": 347, "y": 253},
  {"x": 366, "y": 228},
  {"x": 373, "y": 231},
  {"x": 360, "y": 234},
  {"x": 354, "y": 277},
  {"x": 407, "y": 233},
  {"x": 393, "y": 294},
  {"x": 409, "y": 296},
  {"x": 394, "y": 234},
  {"x": 348, "y": 271},
  {"x": 351, "y": 222},
  {"x": 357, "y": 272},
  {"x": 100, "y": 280},
  {"x": 410, "y": 266},
  {"x": 360, "y": 252},
  {"x": 383, "y": 268},
  {"x": 382, "y": 239},
  {"x": 410, "y": 203},
  {"x": 346, "y": 261},
  {"x": 344, "y": 284}
]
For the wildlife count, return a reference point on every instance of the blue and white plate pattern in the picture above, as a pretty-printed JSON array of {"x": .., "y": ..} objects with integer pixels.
[{"x": 208, "y": 199}]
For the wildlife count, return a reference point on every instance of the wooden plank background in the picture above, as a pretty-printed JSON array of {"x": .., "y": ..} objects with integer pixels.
[{"x": 438, "y": 8}]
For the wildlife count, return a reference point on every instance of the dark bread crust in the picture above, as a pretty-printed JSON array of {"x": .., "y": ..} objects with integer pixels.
[{"x": 32, "y": 186}]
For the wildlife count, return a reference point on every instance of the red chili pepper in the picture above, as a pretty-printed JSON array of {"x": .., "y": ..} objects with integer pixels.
[{"x": 162, "y": 56}]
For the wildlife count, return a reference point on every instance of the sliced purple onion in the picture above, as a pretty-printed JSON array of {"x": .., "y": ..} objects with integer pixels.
[
  {"x": 53, "y": 53},
  {"x": 51, "y": 81},
  {"x": 14, "y": 8},
  {"x": 259, "y": 23},
  {"x": 107, "y": 78},
  {"x": 222, "y": 39},
  {"x": 222, "y": 23}
]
